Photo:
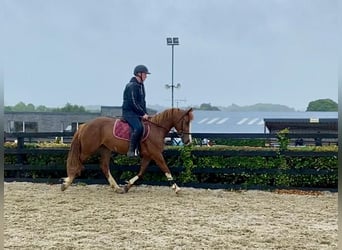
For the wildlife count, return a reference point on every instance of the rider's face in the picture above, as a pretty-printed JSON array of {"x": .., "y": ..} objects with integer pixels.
[{"x": 142, "y": 76}]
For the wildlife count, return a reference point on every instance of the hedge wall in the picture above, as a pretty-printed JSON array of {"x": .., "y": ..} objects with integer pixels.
[{"x": 243, "y": 166}]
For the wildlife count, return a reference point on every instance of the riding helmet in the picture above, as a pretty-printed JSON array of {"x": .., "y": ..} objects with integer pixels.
[{"x": 141, "y": 69}]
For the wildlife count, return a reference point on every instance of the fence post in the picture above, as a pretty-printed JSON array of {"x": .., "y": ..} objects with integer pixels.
[{"x": 20, "y": 146}]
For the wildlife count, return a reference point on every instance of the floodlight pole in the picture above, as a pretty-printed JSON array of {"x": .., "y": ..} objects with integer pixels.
[
  {"x": 172, "y": 41},
  {"x": 172, "y": 84}
]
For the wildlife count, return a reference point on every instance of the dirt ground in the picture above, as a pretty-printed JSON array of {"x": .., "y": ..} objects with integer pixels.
[{"x": 40, "y": 216}]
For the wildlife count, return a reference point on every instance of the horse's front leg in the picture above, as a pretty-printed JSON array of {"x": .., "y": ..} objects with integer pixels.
[
  {"x": 159, "y": 159},
  {"x": 143, "y": 166},
  {"x": 173, "y": 184}
]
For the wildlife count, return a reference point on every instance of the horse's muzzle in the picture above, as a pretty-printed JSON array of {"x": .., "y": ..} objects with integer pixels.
[{"x": 187, "y": 141}]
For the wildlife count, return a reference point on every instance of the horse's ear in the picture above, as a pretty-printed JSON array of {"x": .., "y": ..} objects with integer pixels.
[{"x": 189, "y": 111}]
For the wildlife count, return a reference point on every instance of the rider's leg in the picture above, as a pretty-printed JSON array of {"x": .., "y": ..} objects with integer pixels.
[
  {"x": 136, "y": 133},
  {"x": 133, "y": 144}
]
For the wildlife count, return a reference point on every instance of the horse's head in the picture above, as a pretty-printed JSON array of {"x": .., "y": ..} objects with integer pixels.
[{"x": 182, "y": 124}]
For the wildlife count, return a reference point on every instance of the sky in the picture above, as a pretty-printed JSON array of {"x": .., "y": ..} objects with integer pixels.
[{"x": 239, "y": 52}]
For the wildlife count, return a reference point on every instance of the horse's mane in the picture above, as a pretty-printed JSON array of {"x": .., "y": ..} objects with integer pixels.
[
  {"x": 168, "y": 114},
  {"x": 164, "y": 115}
]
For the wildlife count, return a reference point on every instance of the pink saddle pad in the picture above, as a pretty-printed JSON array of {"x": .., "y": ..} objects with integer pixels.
[{"x": 121, "y": 130}]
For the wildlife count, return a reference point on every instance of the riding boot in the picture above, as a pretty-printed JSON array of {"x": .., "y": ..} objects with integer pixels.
[
  {"x": 131, "y": 150},
  {"x": 133, "y": 145}
]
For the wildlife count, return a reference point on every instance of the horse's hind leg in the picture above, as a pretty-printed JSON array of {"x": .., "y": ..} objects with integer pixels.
[
  {"x": 105, "y": 159},
  {"x": 73, "y": 171},
  {"x": 143, "y": 166},
  {"x": 74, "y": 161},
  {"x": 67, "y": 182}
]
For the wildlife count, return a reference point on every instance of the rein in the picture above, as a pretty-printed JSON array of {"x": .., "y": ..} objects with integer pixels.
[
  {"x": 158, "y": 125},
  {"x": 167, "y": 130}
]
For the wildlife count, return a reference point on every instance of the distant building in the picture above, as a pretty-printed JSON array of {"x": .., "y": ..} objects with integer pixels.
[
  {"x": 260, "y": 122},
  {"x": 54, "y": 121},
  {"x": 44, "y": 121},
  {"x": 302, "y": 125},
  {"x": 269, "y": 122},
  {"x": 204, "y": 121}
]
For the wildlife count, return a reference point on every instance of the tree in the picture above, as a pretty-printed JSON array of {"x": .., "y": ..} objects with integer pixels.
[
  {"x": 8, "y": 109},
  {"x": 207, "y": 106},
  {"x": 70, "y": 108},
  {"x": 259, "y": 107},
  {"x": 22, "y": 107},
  {"x": 30, "y": 108},
  {"x": 19, "y": 107},
  {"x": 322, "y": 105},
  {"x": 42, "y": 108}
]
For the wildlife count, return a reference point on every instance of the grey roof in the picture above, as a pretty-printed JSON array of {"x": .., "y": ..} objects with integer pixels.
[{"x": 245, "y": 122}]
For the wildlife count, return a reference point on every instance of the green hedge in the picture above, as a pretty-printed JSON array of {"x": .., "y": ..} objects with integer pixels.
[{"x": 246, "y": 166}]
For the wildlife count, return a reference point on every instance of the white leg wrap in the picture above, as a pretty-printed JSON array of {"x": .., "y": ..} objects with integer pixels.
[
  {"x": 175, "y": 188},
  {"x": 112, "y": 182},
  {"x": 67, "y": 181},
  {"x": 168, "y": 176},
  {"x": 134, "y": 179}
]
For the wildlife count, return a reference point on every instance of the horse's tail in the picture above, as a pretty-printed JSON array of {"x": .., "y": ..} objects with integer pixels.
[{"x": 74, "y": 164}]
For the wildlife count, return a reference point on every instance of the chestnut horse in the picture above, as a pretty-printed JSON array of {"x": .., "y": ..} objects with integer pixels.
[{"x": 96, "y": 136}]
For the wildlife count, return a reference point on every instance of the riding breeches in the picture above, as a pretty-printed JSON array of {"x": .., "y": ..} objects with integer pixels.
[{"x": 137, "y": 129}]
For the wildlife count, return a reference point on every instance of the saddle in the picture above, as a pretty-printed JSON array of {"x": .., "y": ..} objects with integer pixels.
[{"x": 122, "y": 130}]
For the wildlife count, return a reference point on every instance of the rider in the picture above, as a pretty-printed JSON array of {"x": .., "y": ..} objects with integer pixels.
[{"x": 134, "y": 107}]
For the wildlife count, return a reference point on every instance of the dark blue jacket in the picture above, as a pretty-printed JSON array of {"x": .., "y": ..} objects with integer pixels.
[{"x": 134, "y": 103}]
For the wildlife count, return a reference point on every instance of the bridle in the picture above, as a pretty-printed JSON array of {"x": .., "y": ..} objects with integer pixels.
[
  {"x": 181, "y": 132},
  {"x": 181, "y": 119}
]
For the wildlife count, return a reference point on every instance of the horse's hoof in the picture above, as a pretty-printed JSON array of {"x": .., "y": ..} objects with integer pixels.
[
  {"x": 119, "y": 190},
  {"x": 63, "y": 187},
  {"x": 126, "y": 188},
  {"x": 175, "y": 188}
]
